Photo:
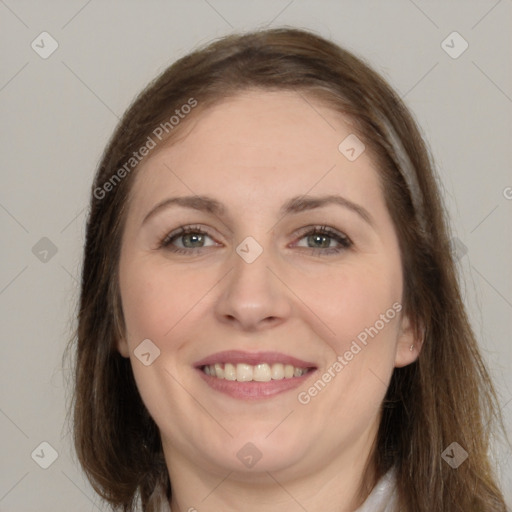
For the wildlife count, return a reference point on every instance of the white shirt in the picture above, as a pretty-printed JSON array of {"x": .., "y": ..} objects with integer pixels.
[{"x": 383, "y": 497}]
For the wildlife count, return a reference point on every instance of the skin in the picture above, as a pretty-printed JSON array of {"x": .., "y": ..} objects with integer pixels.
[{"x": 252, "y": 153}]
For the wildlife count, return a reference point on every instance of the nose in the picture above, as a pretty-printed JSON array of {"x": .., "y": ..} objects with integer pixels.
[{"x": 253, "y": 297}]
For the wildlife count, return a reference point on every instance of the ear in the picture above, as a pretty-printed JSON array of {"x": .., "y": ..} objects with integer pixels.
[
  {"x": 410, "y": 341},
  {"x": 122, "y": 347}
]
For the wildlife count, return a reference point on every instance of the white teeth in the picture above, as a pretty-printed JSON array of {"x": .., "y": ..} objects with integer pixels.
[
  {"x": 229, "y": 372},
  {"x": 243, "y": 372},
  {"x": 262, "y": 372},
  {"x": 277, "y": 371},
  {"x": 219, "y": 371}
]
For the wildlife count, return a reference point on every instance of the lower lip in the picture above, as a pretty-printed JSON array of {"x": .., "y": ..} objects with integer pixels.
[{"x": 254, "y": 390}]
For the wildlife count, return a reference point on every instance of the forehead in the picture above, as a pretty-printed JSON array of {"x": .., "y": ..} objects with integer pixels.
[
  {"x": 283, "y": 124},
  {"x": 259, "y": 142}
]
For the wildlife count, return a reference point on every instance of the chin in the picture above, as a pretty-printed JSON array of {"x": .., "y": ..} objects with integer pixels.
[{"x": 249, "y": 455}]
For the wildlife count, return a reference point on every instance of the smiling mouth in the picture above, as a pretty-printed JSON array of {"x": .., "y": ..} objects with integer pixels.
[
  {"x": 247, "y": 375},
  {"x": 263, "y": 372}
]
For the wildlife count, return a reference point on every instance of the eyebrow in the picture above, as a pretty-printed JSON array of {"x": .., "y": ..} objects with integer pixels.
[
  {"x": 294, "y": 205},
  {"x": 201, "y": 203},
  {"x": 302, "y": 203}
]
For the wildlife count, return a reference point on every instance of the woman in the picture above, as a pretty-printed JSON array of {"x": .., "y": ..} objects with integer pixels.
[{"x": 270, "y": 316}]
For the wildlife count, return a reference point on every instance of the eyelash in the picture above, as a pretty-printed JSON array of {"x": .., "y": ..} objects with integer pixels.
[{"x": 343, "y": 241}]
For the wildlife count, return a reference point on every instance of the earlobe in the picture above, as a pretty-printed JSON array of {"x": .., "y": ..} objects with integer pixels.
[
  {"x": 410, "y": 341},
  {"x": 122, "y": 347}
]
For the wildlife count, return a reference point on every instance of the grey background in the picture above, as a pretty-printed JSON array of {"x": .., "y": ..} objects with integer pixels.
[{"x": 57, "y": 114}]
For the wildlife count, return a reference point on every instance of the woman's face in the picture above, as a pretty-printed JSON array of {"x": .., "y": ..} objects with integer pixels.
[{"x": 274, "y": 321}]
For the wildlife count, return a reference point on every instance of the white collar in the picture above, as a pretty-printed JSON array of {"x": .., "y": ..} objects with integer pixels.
[{"x": 383, "y": 497}]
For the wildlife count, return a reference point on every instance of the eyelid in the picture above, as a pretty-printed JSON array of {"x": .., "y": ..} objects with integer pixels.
[
  {"x": 341, "y": 238},
  {"x": 320, "y": 228},
  {"x": 184, "y": 230}
]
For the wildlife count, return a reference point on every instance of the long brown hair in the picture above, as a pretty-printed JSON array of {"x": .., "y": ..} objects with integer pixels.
[{"x": 446, "y": 396}]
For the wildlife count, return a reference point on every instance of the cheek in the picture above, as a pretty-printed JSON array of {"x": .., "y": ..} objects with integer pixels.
[
  {"x": 363, "y": 309},
  {"x": 353, "y": 299},
  {"x": 158, "y": 305},
  {"x": 156, "y": 298}
]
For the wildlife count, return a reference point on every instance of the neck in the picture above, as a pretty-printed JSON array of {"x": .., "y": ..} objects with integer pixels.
[{"x": 339, "y": 485}]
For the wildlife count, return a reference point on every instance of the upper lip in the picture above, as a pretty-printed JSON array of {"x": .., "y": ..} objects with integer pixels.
[{"x": 252, "y": 358}]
